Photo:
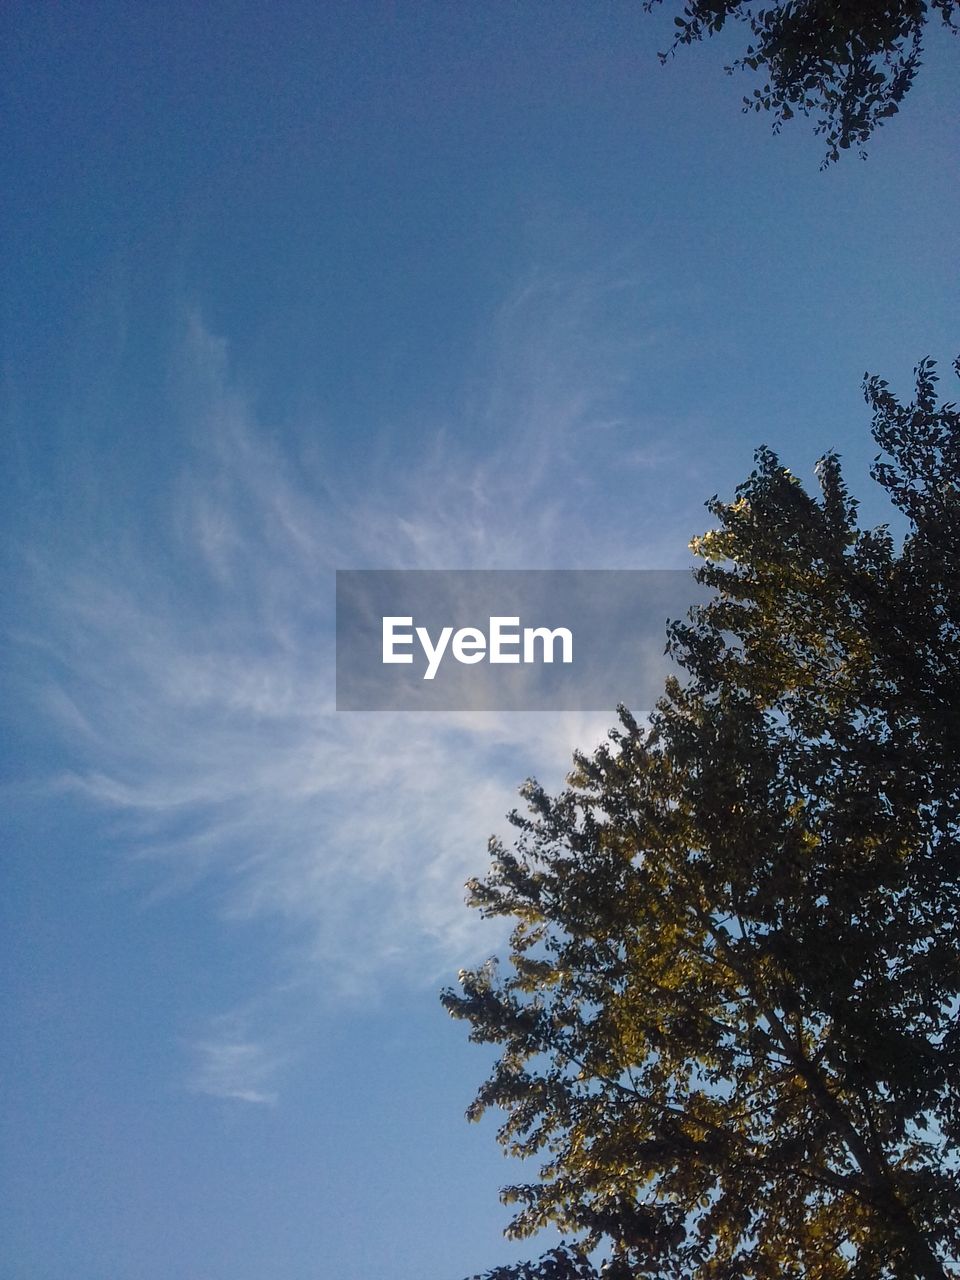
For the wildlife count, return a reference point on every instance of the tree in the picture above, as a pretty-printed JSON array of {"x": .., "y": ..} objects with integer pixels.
[
  {"x": 849, "y": 62},
  {"x": 730, "y": 1025}
]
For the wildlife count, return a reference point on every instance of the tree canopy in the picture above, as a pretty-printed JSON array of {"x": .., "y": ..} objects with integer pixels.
[
  {"x": 729, "y": 1025},
  {"x": 848, "y": 63}
]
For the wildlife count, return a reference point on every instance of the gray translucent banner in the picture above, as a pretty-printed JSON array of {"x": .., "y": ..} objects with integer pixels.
[{"x": 506, "y": 640}]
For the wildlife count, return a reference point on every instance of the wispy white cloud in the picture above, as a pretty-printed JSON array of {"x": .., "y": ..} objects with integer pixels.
[
  {"x": 194, "y": 661},
  {"x": 232, "y": 1066}
]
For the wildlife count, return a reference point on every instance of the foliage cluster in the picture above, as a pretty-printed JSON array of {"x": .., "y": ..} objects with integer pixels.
[
  {"x": 729, "y": 1028},
  {"x": 849, "y": 63}
]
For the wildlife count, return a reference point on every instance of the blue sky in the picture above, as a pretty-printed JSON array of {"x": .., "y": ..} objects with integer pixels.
[{"x": 293, "y": 288}]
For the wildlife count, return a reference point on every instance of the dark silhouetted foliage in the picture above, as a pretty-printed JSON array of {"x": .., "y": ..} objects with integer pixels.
[
  {"x": 848, "y": 63},
  {"x": 729, "y": 1028}
]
